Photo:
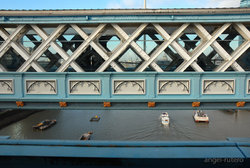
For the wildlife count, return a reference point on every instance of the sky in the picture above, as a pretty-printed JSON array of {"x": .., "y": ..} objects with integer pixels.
[{"x": 111, "y": 4}]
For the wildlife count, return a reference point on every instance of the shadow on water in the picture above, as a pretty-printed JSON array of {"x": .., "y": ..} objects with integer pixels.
[{"x": 132, "y": 125}]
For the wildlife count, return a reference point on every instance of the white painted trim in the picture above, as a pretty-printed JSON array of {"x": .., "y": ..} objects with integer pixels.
[
  {"x": 92, "y": 80},
  {"x": 141, "y": 80},
  {"x": 12, "y": 85},
  {"x": 47, "y": 80},
  {"x": 203, "y": 80},
  {"x": 189, "y": 86}
]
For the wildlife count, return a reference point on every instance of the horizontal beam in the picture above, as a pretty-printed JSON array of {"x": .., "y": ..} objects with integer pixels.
[
  {"x": 61, "y": 148},
  {"x": 79, "y": 90},
  {"x": 233, "y": 152},
  {"x": 219, "y": 18},
  {"x": 72, "y": 12}
]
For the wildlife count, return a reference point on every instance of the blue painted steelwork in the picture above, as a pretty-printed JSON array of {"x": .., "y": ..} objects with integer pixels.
[
  {"x": 135, "y": 153},
  {"x": 240, "y": 88},
  {"x": 126, "y": 19},
  {"x": 129, "y": 16},
  {"x": 106, "y": 78}
]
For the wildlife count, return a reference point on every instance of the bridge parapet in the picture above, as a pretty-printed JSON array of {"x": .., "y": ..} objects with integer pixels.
[{"x": 89, "y": 88}]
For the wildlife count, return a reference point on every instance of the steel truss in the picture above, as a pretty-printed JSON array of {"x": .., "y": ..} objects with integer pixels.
[{"x": 191, "y": 52}]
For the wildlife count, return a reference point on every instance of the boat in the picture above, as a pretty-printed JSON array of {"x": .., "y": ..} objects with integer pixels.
[
  {"x": 164, "y": 118},
  {"x": 200, "y": 116},
  {"x": 86, "y": 136},
  {"x": 164, "y": 114},
  {"x": 95, "y": 118},
  {"x": 44, "y": 124}
]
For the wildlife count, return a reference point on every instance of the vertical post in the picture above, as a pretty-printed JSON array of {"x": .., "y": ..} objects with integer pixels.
[{"x": 145, "y": 4}]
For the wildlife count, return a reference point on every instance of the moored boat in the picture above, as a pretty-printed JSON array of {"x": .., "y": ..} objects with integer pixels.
[
  {"x": 44, "y": 124},
  {"x": 200, "y": 116}
]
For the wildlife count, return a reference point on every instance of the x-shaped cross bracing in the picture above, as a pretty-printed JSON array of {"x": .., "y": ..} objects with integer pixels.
[
  {"x": 169, "y": 40},
  {"x": 97, "y": 48},
  {"x": 122, "y": 47},
  {"x": 10, "y": 41},
  {"x": 219, "y": 49},
  {"x": 231, "y": 60},
  {"x": 42, "y": 48},
  {"x": 57, "y": 48},
  {"x": 149, "y": 60},
  {"x": 201, "y": 48}
]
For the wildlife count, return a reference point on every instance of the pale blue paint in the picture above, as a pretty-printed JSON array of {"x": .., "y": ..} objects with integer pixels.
[
  {"x": 107, "y": 78},
  {"x": 219, "y": 18},
  {"x": 124, "y": 149}
]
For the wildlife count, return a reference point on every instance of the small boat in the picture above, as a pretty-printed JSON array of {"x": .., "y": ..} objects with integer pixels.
[
  {"x": 95, "y": 118},
  {"x": 44, "y": 124},
  {"x": 164, "y": 118},
  {"x": 164, "y": 114},
  {"x": 200, "y": 116},
  {"x": 86, "y": 136}
]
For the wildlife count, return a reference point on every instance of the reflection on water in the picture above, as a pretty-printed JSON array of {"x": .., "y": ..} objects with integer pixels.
[{"x": 132, "y": 125}]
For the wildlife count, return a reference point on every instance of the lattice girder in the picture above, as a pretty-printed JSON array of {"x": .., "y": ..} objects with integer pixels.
[{"x": 189, "y": 53}]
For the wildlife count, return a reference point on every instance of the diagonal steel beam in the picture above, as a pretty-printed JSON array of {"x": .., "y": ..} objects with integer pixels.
[
  {"x": 137, "y": 48},
  {"x": 201, "y": 31},
  {"x": 244, "y": 32},
  {"x": 177, "y": 47},
  {"x": 42, "y": 48},
  {"x": 162, "y": 47},
  {"x": 21, "y": 51},
  {"x": 2, "y": 69},
  {"x": 234, "y": 56},
  {"x": 97, "y": 48},
  {"x": 122, "y": 47},
  {"x": 13, "y": 37},
  {"x": 57, "y": 48},
  {"x": 202, "y": 47},
  {"x": 81, "y": 48}
]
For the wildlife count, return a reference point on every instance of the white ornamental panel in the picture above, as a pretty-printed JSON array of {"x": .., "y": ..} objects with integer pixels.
[
  {"x": 91, "y": 87},
  {"x": 124, "y": 86},
  {"x": 174, "y": 86},
  {"x": 34, "y": 86},
  {"x": 218, "y": 86},
  {"x": 6, "y": 86}
]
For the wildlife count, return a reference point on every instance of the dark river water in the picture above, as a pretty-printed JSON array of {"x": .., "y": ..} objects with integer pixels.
[{"x": 143, "y": 125}]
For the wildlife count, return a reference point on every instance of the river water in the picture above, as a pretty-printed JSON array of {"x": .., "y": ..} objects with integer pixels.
[{"x": 139, "y": 125}]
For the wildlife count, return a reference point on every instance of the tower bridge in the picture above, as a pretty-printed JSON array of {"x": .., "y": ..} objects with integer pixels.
[
  {"x": 143, "y": 56},
  {"x": 125, "y": 59}
]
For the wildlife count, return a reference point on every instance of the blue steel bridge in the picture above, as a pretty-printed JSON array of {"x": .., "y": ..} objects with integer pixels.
[
  {"x": 83, "y": 58},
  {"x": 125, "y": 59}
]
